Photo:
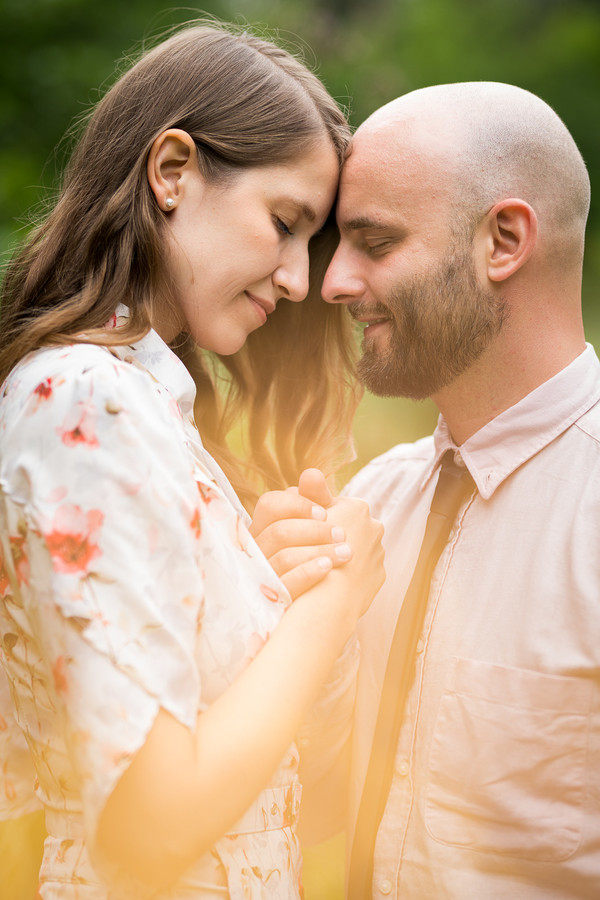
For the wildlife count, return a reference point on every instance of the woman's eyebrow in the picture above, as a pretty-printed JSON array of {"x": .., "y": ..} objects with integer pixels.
[{"x": 306, "y": 210}]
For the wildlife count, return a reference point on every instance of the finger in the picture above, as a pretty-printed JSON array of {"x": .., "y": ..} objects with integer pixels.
[
  {"x": 276, "y": 505},
  {"x": 312, "y": 484},
  {"x": 286, "y": 560},
  {"x": 287, "y": 533},
  {"x": 306, "y": 575}
]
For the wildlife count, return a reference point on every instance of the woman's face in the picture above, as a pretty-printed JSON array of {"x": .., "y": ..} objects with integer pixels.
[{"x": 238, "y": 247}]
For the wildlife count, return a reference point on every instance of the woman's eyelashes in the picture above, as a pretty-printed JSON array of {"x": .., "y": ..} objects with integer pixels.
[{"x": 281, "y": 226}]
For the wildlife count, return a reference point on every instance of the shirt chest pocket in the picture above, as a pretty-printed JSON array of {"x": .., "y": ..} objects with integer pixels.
[{"x": 507, "y": 762}]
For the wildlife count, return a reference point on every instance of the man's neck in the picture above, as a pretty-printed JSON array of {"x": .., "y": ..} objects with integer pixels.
[{"x": 500, "y": 378}]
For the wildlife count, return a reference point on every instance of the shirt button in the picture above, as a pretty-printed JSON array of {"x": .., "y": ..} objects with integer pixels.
[
  {"x": 459, "y": 461},
  {"x": 386, "y": 887},
  {"x": 403, "y": 768},
  {"x": 420, "y": 646}
]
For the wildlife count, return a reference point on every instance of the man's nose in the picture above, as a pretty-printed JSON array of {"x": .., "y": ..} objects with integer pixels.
[{"x": 342, "y": 282}]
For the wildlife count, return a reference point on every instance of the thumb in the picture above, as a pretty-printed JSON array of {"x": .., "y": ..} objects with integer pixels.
[{"x": 313, "y": 486}]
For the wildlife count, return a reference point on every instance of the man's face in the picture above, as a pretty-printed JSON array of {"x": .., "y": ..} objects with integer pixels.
[{"x": 404, "y": 267}]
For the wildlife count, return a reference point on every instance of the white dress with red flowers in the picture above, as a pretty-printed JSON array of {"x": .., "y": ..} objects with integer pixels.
[{"x": 128, "y": 583}]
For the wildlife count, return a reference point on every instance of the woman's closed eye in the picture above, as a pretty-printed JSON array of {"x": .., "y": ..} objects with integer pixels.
[{"x": 281, "y": 226}]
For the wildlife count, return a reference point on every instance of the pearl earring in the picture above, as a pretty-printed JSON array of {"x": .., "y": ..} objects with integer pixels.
[{"x": 169, "y": 203}]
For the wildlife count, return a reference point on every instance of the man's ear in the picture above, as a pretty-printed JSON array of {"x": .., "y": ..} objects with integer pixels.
[
  {"x": 171, "y": 156},
  {"x": 511, "y": 230}
]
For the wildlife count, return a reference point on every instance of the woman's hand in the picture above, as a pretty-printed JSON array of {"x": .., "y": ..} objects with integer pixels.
[
  {"x": 305, "y": 532},
  {"x": 293, "y": 532}
]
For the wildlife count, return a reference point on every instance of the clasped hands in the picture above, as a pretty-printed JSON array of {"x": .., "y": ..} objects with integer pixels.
[{"x": 305, "y": 533}]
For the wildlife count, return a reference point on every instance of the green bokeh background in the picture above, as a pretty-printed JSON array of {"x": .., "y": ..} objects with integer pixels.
[{"x": 56, "y": 56}]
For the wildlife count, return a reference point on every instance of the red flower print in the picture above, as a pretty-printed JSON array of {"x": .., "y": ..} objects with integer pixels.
[
  {"x": 79, "y": 426},
  {"x": 4, "y": 582},
  {"x": 270, "y": 593},
  {"x": 59, "y": 672},
  {"x": 207, "y": 492},
  {"x": 44, "y": 389},
  {"x": 196, "y": 524},
  {"x": 112, "y": 322},
  {"x": 72, "y": 540},
  {"x": 43, "y": 393}
]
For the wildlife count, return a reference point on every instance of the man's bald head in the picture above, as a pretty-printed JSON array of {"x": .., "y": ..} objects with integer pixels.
[{"x": 492, "y": 141}]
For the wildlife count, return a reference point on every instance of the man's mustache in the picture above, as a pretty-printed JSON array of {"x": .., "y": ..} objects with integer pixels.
[{"x": 370, "y": 310}]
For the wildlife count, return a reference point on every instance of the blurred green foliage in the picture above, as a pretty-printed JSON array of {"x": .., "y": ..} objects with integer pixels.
[{"x": 57, "y": 56}]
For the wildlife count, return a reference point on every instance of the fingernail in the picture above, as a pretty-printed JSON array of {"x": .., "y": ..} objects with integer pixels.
[
  {"x": 338, "y": 533},
  {"x": 324, "y": 562},
  {"x": 319, "y": 513},
  {"x": 343, "y": 551}
]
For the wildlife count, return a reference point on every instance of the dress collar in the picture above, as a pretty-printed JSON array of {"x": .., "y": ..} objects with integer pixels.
[
  {"x": 152, "y": 354},
  {"x": 518, "y": 433}
]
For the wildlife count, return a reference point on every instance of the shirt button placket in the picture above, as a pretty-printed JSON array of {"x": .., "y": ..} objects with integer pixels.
[{"x": 403, "y": 768}]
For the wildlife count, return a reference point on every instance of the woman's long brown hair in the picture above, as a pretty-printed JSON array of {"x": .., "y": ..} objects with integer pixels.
[{"x": 245, "y": 102}]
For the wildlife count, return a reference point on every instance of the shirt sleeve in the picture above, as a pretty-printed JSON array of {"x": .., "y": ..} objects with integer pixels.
[{"x": 110, "y": 517}]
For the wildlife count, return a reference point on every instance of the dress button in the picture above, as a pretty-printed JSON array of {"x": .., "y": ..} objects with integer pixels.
[
  {"x": 386, "y": 887},
  {"x": 403, "y": 768}
]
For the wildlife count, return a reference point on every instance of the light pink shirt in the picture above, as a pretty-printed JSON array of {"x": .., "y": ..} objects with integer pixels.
[{"x": 496, "y": 788}]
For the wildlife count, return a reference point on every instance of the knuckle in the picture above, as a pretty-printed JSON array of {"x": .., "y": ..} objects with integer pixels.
[{"x": 279, "y": 530}]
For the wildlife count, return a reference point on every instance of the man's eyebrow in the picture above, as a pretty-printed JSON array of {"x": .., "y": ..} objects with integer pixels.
[{"x": 362, "y": 222}]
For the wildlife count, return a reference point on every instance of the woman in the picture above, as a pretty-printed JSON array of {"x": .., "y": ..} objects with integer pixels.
[{"x": 135, "y": 601}]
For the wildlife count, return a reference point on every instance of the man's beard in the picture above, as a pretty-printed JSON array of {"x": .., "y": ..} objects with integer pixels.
[{"x": 440, "y": 323}]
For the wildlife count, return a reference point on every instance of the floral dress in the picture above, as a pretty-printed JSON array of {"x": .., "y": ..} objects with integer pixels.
[{"x": 128, "y": 583}]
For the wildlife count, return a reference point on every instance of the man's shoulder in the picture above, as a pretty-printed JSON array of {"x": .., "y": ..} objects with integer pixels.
[{"x": 385, "y": 473}]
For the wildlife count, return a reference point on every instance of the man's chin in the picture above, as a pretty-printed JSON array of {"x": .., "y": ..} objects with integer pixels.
[{"x": 385, "y": 378}]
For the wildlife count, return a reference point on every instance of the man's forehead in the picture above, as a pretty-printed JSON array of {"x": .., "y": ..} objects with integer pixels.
[
  {"x": 397, "y": 157},
  {"x": 376, "y": 181}
]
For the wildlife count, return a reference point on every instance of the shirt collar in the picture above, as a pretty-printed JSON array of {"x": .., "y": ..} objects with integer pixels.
[
  {"x": 152, "y": 354},
  {"x": 518, "y": 433}
]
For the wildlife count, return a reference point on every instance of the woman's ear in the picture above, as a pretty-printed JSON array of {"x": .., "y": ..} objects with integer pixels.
[
  {"x": 172, "y": 155},
  {"x": 511, "y": 230}
]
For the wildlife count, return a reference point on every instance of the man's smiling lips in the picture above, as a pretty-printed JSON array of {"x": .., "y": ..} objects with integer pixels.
[{"x": 370, "y": 320}]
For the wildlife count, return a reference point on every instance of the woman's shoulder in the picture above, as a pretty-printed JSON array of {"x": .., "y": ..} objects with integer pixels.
[
  {"x": 61, "y": 383},
  {"x": 69, "y": 370},
  {"x": 69, "y": 361}
]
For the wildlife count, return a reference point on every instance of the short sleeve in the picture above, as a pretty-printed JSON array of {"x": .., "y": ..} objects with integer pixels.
[{"x": 102, "y": 498}]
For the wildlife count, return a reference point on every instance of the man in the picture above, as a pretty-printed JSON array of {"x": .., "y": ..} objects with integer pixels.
[{"x": 462, "y": 211}]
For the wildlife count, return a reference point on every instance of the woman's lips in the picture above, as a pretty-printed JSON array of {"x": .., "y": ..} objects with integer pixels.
[{"x": 263, "y": 307}]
